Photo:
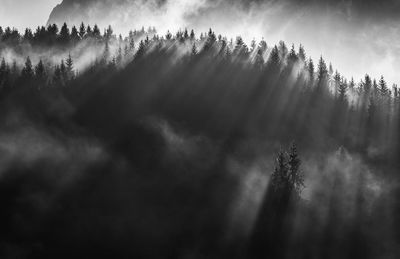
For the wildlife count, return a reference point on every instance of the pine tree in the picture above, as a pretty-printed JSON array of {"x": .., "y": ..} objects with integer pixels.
[
  {"x": 126, "y": 51},
  {"x": 287, "y": 179},
  {"x": 302, "y": 54},
  {"x": 69, "y": 67},
  {"x": 3, "y": 73},
  {"x": 263, "y": 46},
  {"x": 96, "y": 32},
  {"x": 64, "y": 34},
  {"x": 119, "y": 56},
  {"x": 27, "y": 72},
  {"x": 259, "y": 60},
  {"x": 64, "y": 74},
  {"x": 82, "y": 31},
  {"x": 352, "y": 84},
  {"x": 40, "y": 74},
  {"x": 274, "y": 59},
  {"x": 383, "y": 87},
  {"x": 337, "y": 81},
  {"x": 296, "y": 178},
  {"x": 194, "y": 50},
  {"x": 311, "y": 69},
  {"x": 292, "y": 55},
  {"x": 74, "y": 35},
  {"x": 322, "y": 71},
  {"x": 367, "y": 84},
  {"x": 283, "y": 51},
  {"x": 131, "y": 44},
  {"x": 57, "y": 77},
  {"x": 342, "y": 90},
  {"x": 192, "y": 35},
  {"x": 89, "y": 32},
  {"x": 141, "y": 50}
]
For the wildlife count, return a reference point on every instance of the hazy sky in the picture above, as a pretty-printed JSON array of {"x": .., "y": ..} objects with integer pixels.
[{"x": 25, "y": 13}]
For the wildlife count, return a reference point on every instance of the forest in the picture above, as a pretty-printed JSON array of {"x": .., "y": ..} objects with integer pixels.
[{"x": 191, "y": 145}]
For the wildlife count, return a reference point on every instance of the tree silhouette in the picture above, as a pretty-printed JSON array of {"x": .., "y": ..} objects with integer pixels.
[
  {"x": 64, "y": 36},
  {"x": 82, "y": 30},
  {"x": 69, "y": 67},
  {"x": 27, "y": 72}
]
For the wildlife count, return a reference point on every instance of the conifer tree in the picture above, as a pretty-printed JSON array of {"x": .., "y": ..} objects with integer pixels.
[
  {"x": 302, "y": 54},
  {"x": 192, "y": 35},
  {"x": 383, "y": 87},
  {"x": 27, "y": 72},
  {"x": 40, "y": 74},
  {"x": 263, "y": 46},
  {"x": 64, "y": 34},
  {"x": 194, "y": 50},
  {"x": 4, "y": 73},
  {"x": 274, "y": 59},
  {"x": 89, "y": 32},
  {"x": 69, "y": 67},
  {"x": 292, "y": 55},
  {"x": 322, "y": 71},
  {"x": 74, "y": 35},
  {"x": 82, "y": 31},
  {"x": 367, "y": 84},
  {"x": 64, "y": 73},
  {"x": 141, "y": 50},
  {"x": 57, "y": 77},
  {"x": 96, "y": 32}
]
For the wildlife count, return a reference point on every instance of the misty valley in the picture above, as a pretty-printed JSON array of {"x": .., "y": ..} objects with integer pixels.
[{"x": 191, "y": 144}]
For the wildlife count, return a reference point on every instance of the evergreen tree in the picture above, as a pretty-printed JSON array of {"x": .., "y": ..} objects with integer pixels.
[
  {"x": 283, "y": 51},
  {"x": 192, "y": 35},
  {"x": 296, "y": 178},
  {"x": 342, "y": 90},
  {"x": 336, "y": 81},
  {"x": 119, "y": 56},
  {"x": 263, "y": 46},
  {"x": 69, "y": 67},
  {"x": 106, "y": 53},
  {"x": 82, "y": 31},
  {"x": 287, "y": 179},
  {"x": 131, "y": 44},
  {"x": 383, "y": 87},
  {"x": 64, "y": 36},
  {"x": 40, "y": 74},
  {"x": 89, "y": 32},
  {"x": 274, "y": 59},
  {"x": 292, "y": 56},
  {"x": 74, "y": 35},
  {"x": 27, "y": 72},
  {"x": 64, "y": 73},
  {"x": 302, "y": 54},
  {"x": 4, "y": 74},
  {"x": 259, "y": 59},
  {"x": 141, "y": 50},
  {"x": 367, "y": 84},
  {"x": 194, "y": 50},
  {"x": 28, "y": 36},
  {"x": 57, "y": 77},
  {"x": 126, "y": 51},
  {"x": 352, "y": 84},
  {"x": 322, "y": 71},
  {"x": 96, "y": 32}
]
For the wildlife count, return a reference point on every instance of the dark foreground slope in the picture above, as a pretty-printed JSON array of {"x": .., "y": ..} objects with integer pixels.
[{"x": 171, "y": 157}]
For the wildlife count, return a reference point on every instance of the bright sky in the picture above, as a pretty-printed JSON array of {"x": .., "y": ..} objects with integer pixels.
[{"x": 25, "y": 13}]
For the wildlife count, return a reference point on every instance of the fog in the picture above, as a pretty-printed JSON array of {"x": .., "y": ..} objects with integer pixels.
[{"x": 345, "y": 33}]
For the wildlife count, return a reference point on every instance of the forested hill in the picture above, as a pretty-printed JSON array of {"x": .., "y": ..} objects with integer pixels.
[{"x": 164, "y": 146}]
